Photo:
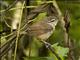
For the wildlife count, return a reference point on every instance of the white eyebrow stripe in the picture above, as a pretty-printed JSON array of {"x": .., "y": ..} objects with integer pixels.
[{"x": 53, "y": 19}]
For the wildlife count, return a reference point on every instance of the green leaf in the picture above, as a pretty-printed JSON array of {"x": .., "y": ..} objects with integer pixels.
[
  {"x": 39, "y": 17},
  {"x": 61, "y": 51}
]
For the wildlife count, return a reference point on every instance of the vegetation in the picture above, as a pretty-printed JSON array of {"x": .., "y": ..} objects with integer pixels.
[{"x": 17, "y": 16}]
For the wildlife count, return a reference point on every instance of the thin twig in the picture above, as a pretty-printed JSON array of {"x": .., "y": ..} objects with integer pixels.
[
  {"x": 18, "y": 32},
  {"x": 10, "y": 39},
  {"x": 6, "y": 48},
  {"x": 9, "y": 7}
]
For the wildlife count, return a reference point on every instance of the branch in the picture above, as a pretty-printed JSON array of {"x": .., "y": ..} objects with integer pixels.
[{"x": 48, "y": 45}]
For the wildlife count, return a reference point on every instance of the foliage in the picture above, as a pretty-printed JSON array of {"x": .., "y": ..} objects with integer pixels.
[{"x": 57, "y": 37}]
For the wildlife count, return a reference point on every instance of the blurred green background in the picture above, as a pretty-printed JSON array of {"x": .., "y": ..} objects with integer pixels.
[{"x": 57, "y": 37}]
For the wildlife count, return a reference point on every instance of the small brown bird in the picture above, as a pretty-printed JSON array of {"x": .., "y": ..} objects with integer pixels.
[{"x": 44, "y": 28}]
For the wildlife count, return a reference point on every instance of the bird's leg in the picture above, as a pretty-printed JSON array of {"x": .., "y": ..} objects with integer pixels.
[{"x": 46, "y": 43}]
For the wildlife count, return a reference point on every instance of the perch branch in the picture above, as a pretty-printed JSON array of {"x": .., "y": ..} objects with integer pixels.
[{"x": 48, "y": 45}]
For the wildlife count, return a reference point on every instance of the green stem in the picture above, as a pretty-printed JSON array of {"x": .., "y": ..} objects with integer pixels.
[{"x": 18, "y": 32}]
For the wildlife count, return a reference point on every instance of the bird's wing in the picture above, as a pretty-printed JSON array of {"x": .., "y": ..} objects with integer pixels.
[{"x": 38, "y": 29}]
